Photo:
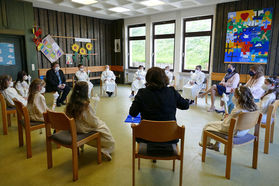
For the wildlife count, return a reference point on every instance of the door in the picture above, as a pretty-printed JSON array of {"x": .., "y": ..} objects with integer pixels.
[{"x": 12, "y": 59}]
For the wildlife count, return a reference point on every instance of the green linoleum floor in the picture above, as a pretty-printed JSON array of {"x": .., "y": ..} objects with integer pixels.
[{"x": 15, "y": 169}]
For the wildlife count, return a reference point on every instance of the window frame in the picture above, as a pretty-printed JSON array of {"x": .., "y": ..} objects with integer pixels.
[
  {"x": 134, "y": 38},
  {"x": 162, "y": 36},
  {"x": 195, "y": 34}
]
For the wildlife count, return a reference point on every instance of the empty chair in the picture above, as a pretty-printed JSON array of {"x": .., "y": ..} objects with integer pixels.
[
  {"x": 158, "y": 131},
  {"x": 67, "y": 137},
  {"x": 268, "y": 123},
  {"x": 6, "y": 114},
  {"x": 245, "y": 120},
  {"x": 23, "y": 121}
]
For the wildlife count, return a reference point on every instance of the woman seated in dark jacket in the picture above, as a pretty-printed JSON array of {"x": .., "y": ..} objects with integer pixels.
[{"x": 157, "y": 101}]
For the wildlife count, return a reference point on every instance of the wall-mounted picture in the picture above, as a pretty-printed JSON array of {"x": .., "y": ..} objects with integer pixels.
[
  {"x": 248, "y": 36},
  {"x": 117, "y": 47},
  {"x": 7, "y": 54}
]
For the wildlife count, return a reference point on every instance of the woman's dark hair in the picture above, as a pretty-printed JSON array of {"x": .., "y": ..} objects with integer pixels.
[
  {"x": 4, "y": 82},
  {"x": 20, "y": 76},
  {"x": 245, "y": 98},
  {"x": 79, "y": 65},
  {"x": 141, "y": 66},
  {"x": 259, "y": 70},
  {"x": 273, "y": 80},
  {"x": 156, "y": 78},
  {"x": 53, "y": 64},
  {"x": 79, "y": 100},
  {"x": 33, "y": 89}
]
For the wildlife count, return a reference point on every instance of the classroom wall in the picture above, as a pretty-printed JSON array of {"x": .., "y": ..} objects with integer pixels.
[
  {"x": 66, "y": 24},
  {"x": 272, "y": 68},
  {"x": 16, "y": 18}
]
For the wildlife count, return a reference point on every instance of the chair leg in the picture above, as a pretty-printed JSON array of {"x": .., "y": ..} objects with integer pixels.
[
  {"x": 9, "y": 120},
  {"x": 225, "y": 150},
  {"x": 5, "y": 124},
  {"x": 99, "y": 149},
  {"x": 204, "y": 146},
  {"x": 75, "y": 163},
  {"x": 196, "y": 100},
  {"x": 181, "y": 172},
  {"x": 173, "y": 165},
  {"x": 255, "y": 153},
  {"x": 272, "y": 132},
  {"x": 266, "y": 139},
  {"x": 20, "y": 134},
  {"x": 229, "y": 162},
  {"x": 206, "y": 98},
  {"x": 138, "y": 163},
  {"x": 28, "y": 143},
  {"x": 49, "y": 154}
]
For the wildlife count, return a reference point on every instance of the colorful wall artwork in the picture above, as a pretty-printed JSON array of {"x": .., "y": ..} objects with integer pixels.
[
  {"x": 50, "y": 49},
  {"x": 248, "y": 36},
  {"x": 7, "y": 54}
]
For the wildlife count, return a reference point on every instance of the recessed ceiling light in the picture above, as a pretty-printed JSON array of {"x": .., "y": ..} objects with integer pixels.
[
  {"x": 85, "y": 2},
  {"x": 119, "y": 9},
  {"x": 152, "y": 2}
]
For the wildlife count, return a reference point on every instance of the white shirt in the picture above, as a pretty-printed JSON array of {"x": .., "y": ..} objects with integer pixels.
[
  {"x": 22, "y": 88},
  {"x": 82, "y": 76},
  {"x": 107, "y": 75},
  {"x": 255, "y": 86},
  {"x": 265, "y": 102},
  {"x": 198, "y": 77},
  {"x": 10, "y": 93},
  {"x": 140, "y": 74}
]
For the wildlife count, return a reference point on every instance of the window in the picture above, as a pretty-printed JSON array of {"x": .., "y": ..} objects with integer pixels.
[
  {"x": 197, "y": 43},
  {"x": 136, "y": 46},
  {"x": 163, "y": 44}
]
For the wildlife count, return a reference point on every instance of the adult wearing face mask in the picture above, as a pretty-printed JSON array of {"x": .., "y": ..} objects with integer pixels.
[
  {"x": 9, "y": 92},
  {"x": 256, "y": 81},
  {"x": 169, "y": 74},
  {"x": 139, "y": 81},
  {"x": 226, "y": 86},
  {"x": 108, "y": 81},
  {"x": 56, "y": 82},
  {"x": 81, "y": 75},
  {"x": 193, "y": 86},
  {"x": 21, "y": 84}
]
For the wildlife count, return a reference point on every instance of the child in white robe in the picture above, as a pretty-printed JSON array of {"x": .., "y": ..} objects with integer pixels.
[
  {"x": 244, "y": 102},
  {"x": 86, "y": 120},
  {"x": 169, "y": 74},
  {"x": 108, "y": 81},
  {"x": 21, "y": 85},
  {"x": 9, "y": 92},
  {"x": 81, "y": 75},
  {"x": 36, "y": 101},
  {"x": 138, "y": 81},
  {"x": 271, "y": 88}
]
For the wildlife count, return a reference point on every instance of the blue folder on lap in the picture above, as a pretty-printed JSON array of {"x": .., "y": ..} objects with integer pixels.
[{"x": 131, "y": 119}]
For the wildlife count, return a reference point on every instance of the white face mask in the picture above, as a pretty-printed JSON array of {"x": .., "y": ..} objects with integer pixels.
[
  {"x": 81, "y": 69},
  {"x": 266, "y": 87},
  {"x": 107, "y": 69},
  {"x": 141, "y": 70},
  {"x": 57, "y": 69},
  {"x": 43, "y": 90},
  {"x": 11, "y": 84},
  {"x": 25, "y": 78}
]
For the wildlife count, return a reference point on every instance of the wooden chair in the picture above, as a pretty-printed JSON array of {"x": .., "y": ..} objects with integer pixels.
[
  {"x": 68, "y": 137},
  {"x": 23, "y": 121},
  {"x": 245, "y": 120},
  {"x": 158, "y": 131},
  {"x": 6, "y": 114},
  {"x": 202, "y": 90},
  {"x": 268, "y": 123}
]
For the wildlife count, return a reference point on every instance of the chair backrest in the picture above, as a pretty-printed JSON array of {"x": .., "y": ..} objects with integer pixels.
[
  {"x": 59, "y": 121},
  {"x": 247, "y": 120},
  {"x": 158, "y": 131},
  {"x": 3, "y": 103},
  {"x": 275, "y": 107},
  {"x": 22, "y": 112}
]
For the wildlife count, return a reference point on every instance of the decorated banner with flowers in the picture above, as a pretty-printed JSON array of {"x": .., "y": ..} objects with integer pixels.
[{"x": 50, "y": 49}]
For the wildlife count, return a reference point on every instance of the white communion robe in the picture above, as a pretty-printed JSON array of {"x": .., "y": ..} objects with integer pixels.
[
  {"x": 10, "y": 93},
  {"x": 88, "y": 121},
  {"x": 108, "y": 81},
  {"x": 83, "y": 76},
  {"x": 169, "y": 74},
  {"x": 37, "y": 108},
  {"x": 191, "y": 91},
  {"x": 138, "y": 83},
  {"x": 22, "y": 88}
]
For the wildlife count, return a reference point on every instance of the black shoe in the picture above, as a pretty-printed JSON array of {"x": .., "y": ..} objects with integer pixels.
[
  {"x": 110, "y": 94},
  {"x": 58, "y": 104},
  {"x": 191, "y": 102},
  {"x": 63, "y": 103},
  {"x": 154, "y": 161}
]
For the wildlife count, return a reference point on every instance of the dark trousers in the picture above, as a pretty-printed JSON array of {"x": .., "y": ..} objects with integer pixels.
[{"x": 63, "y": 94}]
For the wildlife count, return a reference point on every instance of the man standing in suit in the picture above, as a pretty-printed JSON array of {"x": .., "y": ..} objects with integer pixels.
[{"x": 55, "y": 81}]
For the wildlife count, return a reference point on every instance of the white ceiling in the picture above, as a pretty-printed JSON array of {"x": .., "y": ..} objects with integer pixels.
[{"x": 101, "y": 8}]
